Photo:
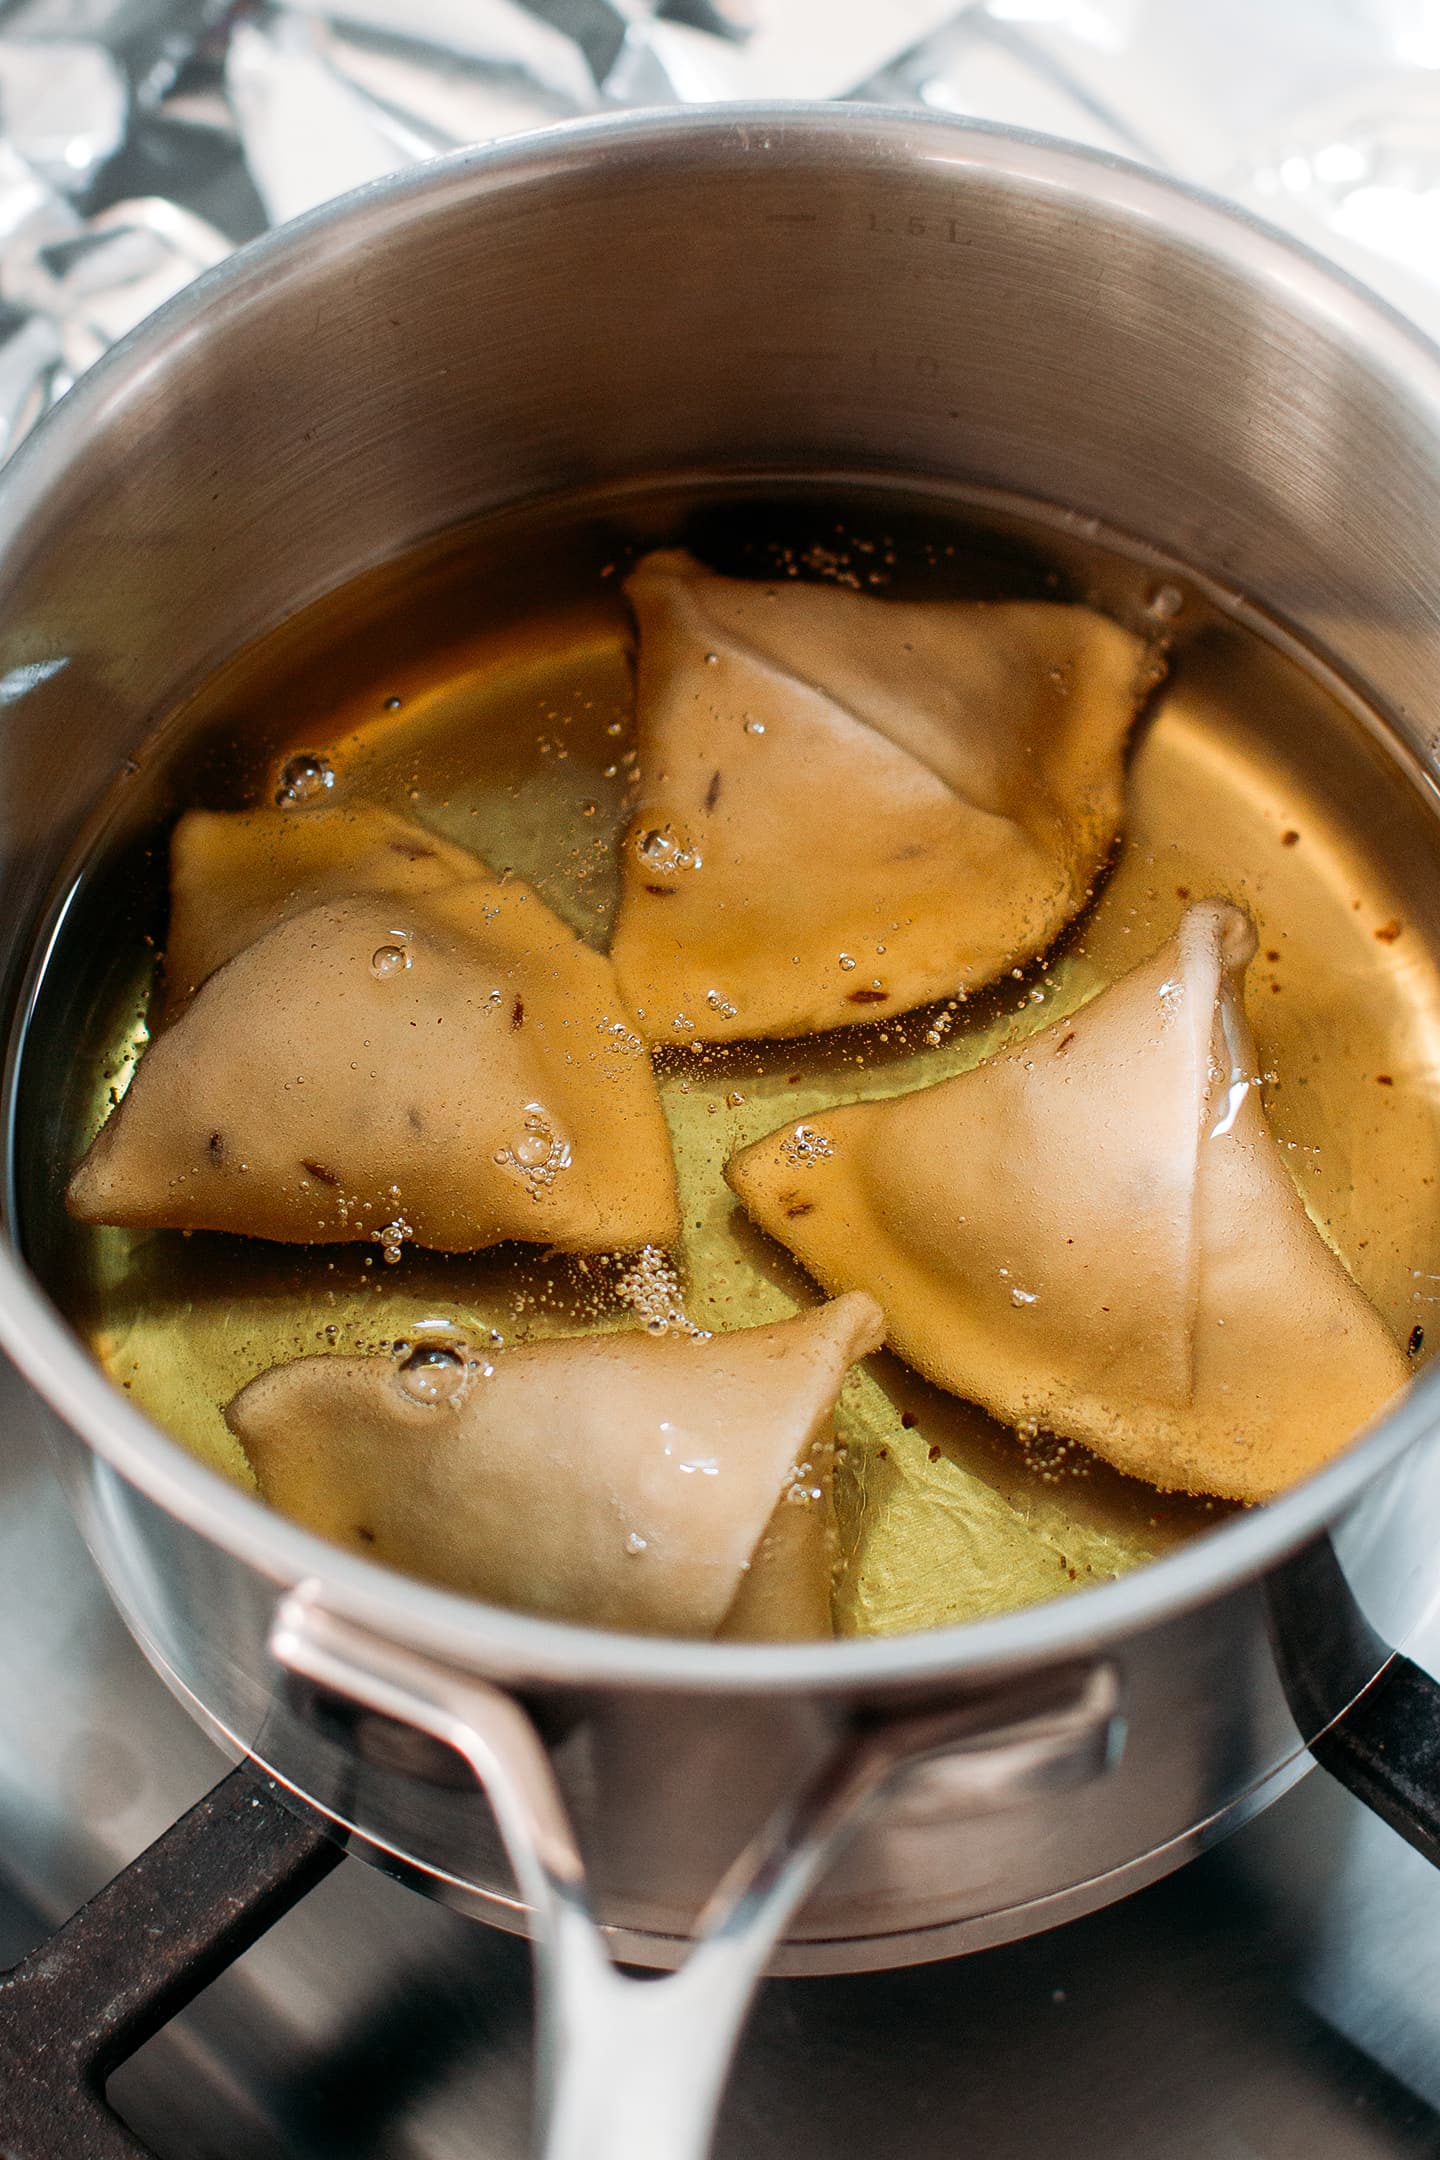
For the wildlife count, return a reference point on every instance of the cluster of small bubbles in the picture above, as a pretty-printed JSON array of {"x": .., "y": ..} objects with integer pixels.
[
  {"x": 660, "y": 848},
  {"x": 621, "y": 1037},
  {"x": 846, "y": 962},
  {"x": 388, "y": 960},
  {"x": 682, "y": 1024},
  {"x": 1164, "y": 603},
  {"x": 800, "y": 1490},
  {"x": 651, "y": 1287},
  {"x": 719, "y": 1003},
  {"x": 392, "y": 1239},
  {"x": 832, "y": 564},
  {"x": 806, "y": 1145},
  {"x": 1024, "y": 1297},
  {"x": 753, "y": 726},
  {"x": 635, "y": 1544},
  {"x": 537, "y": 1152},
  {"x": 304, "y": 778},
  {"x": 936, "y": 1034},
  {"x": 433, "y": 1373}
]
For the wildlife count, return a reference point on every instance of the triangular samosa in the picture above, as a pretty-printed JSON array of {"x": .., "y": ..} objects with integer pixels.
[
  {"x": 852, "y": 805},
  {"x": 447, "y": 1066},
  {"x": 663, "y": 1485},
  {"x": 1095, "y": 1233}
]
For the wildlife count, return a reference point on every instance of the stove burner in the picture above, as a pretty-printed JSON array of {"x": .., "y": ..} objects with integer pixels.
[{"x": 132, "y": 1958}]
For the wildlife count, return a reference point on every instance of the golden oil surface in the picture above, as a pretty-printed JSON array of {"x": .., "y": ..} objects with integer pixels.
[{"x": 486, "y": 690}]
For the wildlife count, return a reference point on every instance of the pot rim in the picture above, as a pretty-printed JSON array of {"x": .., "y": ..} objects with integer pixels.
[{"x": 496, "y": 1640}]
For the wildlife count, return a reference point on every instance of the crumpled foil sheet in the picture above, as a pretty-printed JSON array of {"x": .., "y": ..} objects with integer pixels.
[{"x": 142, "y": 140}]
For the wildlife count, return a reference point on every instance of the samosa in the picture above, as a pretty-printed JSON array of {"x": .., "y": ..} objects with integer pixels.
[
  {"x": 1095, "y": 1233},
  {"x": 659, "y": 1484},
  {"x": 849, "y": 805},
  {"x": 432, "y": 1056}
]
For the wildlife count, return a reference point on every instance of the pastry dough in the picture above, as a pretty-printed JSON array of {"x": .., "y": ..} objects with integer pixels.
[
  {"x": 660, "y": 1485},
  {"x": 435, "y": 1058},
  {"x": 849, "y": 805},
  {"x": 234, "y": 875},
  {"x": 1095, "y": 1232}
]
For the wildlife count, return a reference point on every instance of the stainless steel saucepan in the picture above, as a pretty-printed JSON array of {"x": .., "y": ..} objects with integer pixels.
[{"x": 771, "y": 291}]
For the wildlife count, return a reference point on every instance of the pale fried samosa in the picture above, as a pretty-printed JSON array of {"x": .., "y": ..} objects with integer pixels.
[
  {"x": 850, "y": 805},
  {"x": 1095, "y": 1233},
  {"x": 662, "y": 1485},
  {"x": 448, "y": 1066}
]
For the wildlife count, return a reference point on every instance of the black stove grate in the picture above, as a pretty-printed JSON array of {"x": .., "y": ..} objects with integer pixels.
[{"x": 132, "y": 1958}]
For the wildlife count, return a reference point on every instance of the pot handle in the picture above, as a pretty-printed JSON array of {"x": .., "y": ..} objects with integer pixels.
[
  {"x": 633, "y": 2069},
  {"x": 1375, "y": 1714}
]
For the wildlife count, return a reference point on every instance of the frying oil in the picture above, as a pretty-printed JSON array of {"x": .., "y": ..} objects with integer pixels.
[{"x": 485, "y": 689}]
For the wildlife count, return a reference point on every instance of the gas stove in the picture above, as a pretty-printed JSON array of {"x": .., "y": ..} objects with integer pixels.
[{"x": 1279, "y": 1997}]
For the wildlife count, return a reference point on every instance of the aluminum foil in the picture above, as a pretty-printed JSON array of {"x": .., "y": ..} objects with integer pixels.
[{"x": 141, "y": 140}]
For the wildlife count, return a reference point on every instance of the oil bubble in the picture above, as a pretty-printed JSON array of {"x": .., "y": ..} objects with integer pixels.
[
  {"x": 304, "y": 778},
  {"x": 537, "y": 1151},
  {"x": 806, "y": 1145},
  {"x": 434, "y": 1373},
  {"x": 661, "y": 848},
  {"x": 651, "y": 1287},
  {"x": 1164, "y": 603},
  {"x": 387, "y": 960}
]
